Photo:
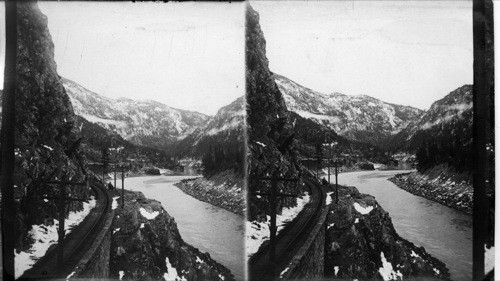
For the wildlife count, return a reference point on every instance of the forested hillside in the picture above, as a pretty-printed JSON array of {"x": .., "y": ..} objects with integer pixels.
[{"x": 442, "y": 135}]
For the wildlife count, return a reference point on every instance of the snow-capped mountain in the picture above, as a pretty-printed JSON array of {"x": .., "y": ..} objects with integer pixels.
[
  {"x": 451, "y": 115},
  {"x": 454, "y": 106},
  {"x": 148, "y": 123},
  {"x": 360, "y": 117},
  {"x": 226, "y": 127}
]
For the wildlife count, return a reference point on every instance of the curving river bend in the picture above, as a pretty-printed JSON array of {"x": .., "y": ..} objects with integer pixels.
[
  {"x": 206, "y": 227},
  {"x": 445, "y": 233}
]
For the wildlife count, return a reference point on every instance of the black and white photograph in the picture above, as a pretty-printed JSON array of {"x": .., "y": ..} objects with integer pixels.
[
  {"x": 129, "y": 149},
  {"x": 247, "y": 140},
  {"x": 365, "y": 168}
]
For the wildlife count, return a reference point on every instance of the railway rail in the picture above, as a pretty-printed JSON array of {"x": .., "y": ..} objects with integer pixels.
[
  {"x": 289, "y": 240},
  {"x": 75, "y": 244}
]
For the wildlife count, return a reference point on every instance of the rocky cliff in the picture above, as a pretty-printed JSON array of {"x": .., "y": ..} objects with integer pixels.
[
  {"x": 45, "y": 147},
  {"x": 146, "y": 245},
  {"x": 270, "y": 131},
  {"x": 361, "y": 243}
]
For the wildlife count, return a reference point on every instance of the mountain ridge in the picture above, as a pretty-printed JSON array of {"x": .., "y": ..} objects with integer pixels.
[
  {"x": 360, "y": 117},
  {"x": 146, "y": 122}
]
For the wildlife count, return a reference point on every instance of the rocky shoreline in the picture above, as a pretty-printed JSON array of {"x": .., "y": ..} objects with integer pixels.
[
  {"x": 361, "y": 243},
  {"x": 224, "y": 190},
  {"x": 439, "y": 185},
  {"x": 146, "y": 245}
]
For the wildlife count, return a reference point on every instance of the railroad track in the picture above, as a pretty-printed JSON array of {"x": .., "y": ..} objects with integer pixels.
[
  {"x": 289, "y": 240},
  {"x": 75, "y": 244}
]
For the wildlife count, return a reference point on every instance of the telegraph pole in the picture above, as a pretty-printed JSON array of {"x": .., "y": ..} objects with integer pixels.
[
  {"x": 273, "y": 202},
  {"x": 329, "y": 172},
  {"x": 61, "y": 209},
  {"x": 123, "y": 187},
  {"x": 336, "y": 183}
]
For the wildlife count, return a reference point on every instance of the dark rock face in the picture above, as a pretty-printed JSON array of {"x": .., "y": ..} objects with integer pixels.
[
  {"x": 152, "y": 171},
  {"x": 45, "y": 120},
  {"x": 270, "y": 132},
  {"x": 355, "y": 242},
  {"x": 366, "y": 166},
  {"x": 146, "y": 245}
]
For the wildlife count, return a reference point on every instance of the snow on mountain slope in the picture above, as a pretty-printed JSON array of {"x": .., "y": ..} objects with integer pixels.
[
  {"x": 148, "y": 123},
  {"x": 229, "y": 117},
  {"x": 451, "y": 115},
  {"x": 454, "y": 105},
  {"x": 360, "y": 117},
  {"x": 226, "y": 127}
]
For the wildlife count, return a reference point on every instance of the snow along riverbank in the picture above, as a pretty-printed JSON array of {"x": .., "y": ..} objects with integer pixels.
[
  {"x": 439, "y": 185},
  {"x": 224, "y": 190}
]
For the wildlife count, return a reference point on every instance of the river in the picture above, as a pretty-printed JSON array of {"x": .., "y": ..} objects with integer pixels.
[
  {"x": 206, "y": 227},
  {"x": 445, "y": 233}
]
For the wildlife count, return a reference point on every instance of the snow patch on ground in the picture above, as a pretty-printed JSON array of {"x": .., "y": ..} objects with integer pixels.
[
  {"x": 114, "y": 205},
  {"x": 70, "y": 275},
  {"x": 284, "y": 271},
  {"x": 261, "y": 144},
  {"x": 48, "y": 147},
  {"x": 148, "y": 215},
  {"x": 329, "y": 198},
  {"x": 45, "y": 236},
  {"x": 489, "y": 259},
  {"x": 362, "y": 210},
  {"x": 386, "y": 271},
  {"x": 258, "y": 232},
  {"x": 171, "y": 274}
]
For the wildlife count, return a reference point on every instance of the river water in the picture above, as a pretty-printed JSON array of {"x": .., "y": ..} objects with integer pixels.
[
  {"x": 445, "y": 233},
  {"x": 206, "y": 227}
]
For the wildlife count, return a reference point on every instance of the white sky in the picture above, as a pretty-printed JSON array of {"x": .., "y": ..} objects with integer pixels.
[
  {"x": 186, "y": 55},
  {"x": 403, "y": 52}
]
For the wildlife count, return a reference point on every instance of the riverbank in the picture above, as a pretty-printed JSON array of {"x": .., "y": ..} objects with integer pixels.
[
  {"x": 224, "y": 190},
  {"x": 361, "y": 243},
  {"x": 441, "y": 185},
  {"x": 146, "y": 244}
]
